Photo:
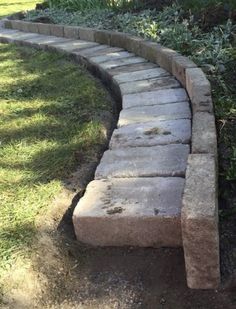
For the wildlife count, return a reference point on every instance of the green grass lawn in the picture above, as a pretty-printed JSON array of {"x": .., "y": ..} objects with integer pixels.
[
  {"x": 8, "y": 7},
  {"x": 49, "y": 124}
]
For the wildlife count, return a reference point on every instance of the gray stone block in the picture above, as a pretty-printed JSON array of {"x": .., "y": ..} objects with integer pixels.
[
  {"x": 133, "y": 44},
  {"x": 71, "y": 32},
  {"x": 44, "y": 29},
  {"x": 118, "y": 39},
  {"x": 172, "y": 111},
  {"x": 87, "y": 34},
  {"x": 121, "y": 62},
  {"x": 99, "y": 50},
  {"x": 152, "y": 133},
  {"x": 149, "y": 50},
  {"x": 140, "y": 75},
  {"x": 131, "y": 68},
  {"x": 164, "y": 57},
  {"x": 102, "y": 37},
  {"x": 33, "y": 27},
  {"x": 199, "y": 90},
  {"x": 72, "y": 45},
  {"x": 156, "y": 161},
  {"x": 57, "y": 30},
  {"x": 141, "y": 212},
  {"x": 113, "y": 56},
  {"x": 204, "y": 138},
  {"x": 16, "y": 24},
  {"x": 149, "y": 85},
  {"x": 200, "y": 223},
  {"x": 179, "y": 66},
  {"x": 164, "y": 96}
]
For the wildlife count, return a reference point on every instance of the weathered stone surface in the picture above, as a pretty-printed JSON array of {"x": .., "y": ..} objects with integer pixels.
[
  {"x": 153, "y": 161},
  {"x": 118, "y": 39},
  {"x": 164, "y": 96},
  {"x": 140, "y": 75},
  {"x": 102, "y": 37},
  {"x": 43, "y": 41},
  {"x": 6, "y": 23},
  {"x": 132, "y": 68},
  {"x": 57, "y": 30},
  {"x": 152, "y": 133},
  {"x": 99, "y": 51},
  {"x": 170, "y": 111},
  {"x": 17, "y": 36},
  {"x": 204, "y": 139},
  {"x": 139, "y": 212},
  {"x": 33, "y": 27},
  {"x": 71, "y": 32},
  {"x": 149, "y": 50},
  {"x": 87, "y": 34},
  {"x": 111, "y": 57},
  {"x": 179, "y": 66},
  {"x": 16, "y": 24},
  {"x": 164, "y": 57},
  {"x": 44, "y": 29},
  {"x": 121, "y": 62},
  {"x": 199, "y": 90},
  {"x": 200, "y": 223},
  {"x": 149, "y": 85},
  {"x": 133, "y": 44},
  {"x": 73, "y": 45}
]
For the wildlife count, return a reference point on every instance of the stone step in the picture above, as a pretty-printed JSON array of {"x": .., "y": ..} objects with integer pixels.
[
  {"x": 152, "y": 133},
  {"x": 164, "y": 161},
  {"x": 163, "y": 96},
  {"x": 131, "y": 212},
  {"x": 170, "y": 111},
  {"x": 149, "y": 85},
  {"x": 140, "y": 75}
]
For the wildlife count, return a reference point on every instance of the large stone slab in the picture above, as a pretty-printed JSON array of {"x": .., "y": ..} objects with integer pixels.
[
  {"x": 164, "y": 96},
  {"x": 111, "y": 56},
  {"x": 130, "y": 212},
  {"x": 73, "y": 45},
  {"x": 200, "y": 223},
  {"x": 170, "y": 160},
  {"x": 152, "y": 133},
  {"x": 149, "y": 85},
  {"x": 17, "y": 36},
  {"x": 44, "y": 41},
  {"x": 98, "y": 51},
  {"x": 121, "y": 62},
  {"x": 140, "y": 75},
  {"x": 132, "y": 68},
  {"x": 170, "y": 111}
]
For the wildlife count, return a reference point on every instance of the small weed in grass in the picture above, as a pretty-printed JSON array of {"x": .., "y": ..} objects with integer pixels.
[{"x": 50, "y": 109}]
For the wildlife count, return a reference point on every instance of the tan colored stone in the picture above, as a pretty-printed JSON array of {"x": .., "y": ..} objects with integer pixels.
[
  {"x": 44, "y": 29},
  {"x": 204, "y": 138},
  {"x": 179, "y": 66},
  {"x": 57, "y": 30},
  {"x": 87, "y": 34},
  {"x": 200, "y": 223},
  {"x": 199, "y": 90},
  {"x": 71, "y": 32},
  {"x": 149, "y": 50},
  {"x": 7, "y": 24},
  {"x": 33, "y": 27},
  {"x": 133, "y": 44},
  {"x": 103, "y": 37},
  {"x": 165, "y": 56},
  {"x": 16, "y": 24},
  {"x": 141, "y": 212}
]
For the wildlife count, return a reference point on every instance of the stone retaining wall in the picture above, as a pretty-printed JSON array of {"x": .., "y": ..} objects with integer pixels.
[{"x": 200, "y": 200}]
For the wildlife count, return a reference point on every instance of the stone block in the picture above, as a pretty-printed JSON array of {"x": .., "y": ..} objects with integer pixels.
[
  {"x": 57, "y": 30},
  {"x": 179, "y": 66},
  {"x": 71, "y": 32},
  {"x": 149, "y": 85},
  {"x": 33, "y": 27},
  {"x": 164, "y": 96},
  {"x": 149, "y": 50},
  {"x": 121, "y": 62},
  {"x": 103, "y": 37},
  {"x": 141, "y": 212},
  {"x": 152, "y": 133},
  {"x": 132, "y": 68},
  {"x": 110, "y": 56},
  {"x": 204, "y": 139},
  {"x": 140, "y": 75},
  {"x": 133, "y": 44},
  {"x": 44, "y": 29},
  {"x": 164, "y": 57},
  {"x": 118, "y": 39},
  {"x": 199, "y": 90},
  {"x": 200, "y": 223},
  {"x": 16, "y": 24},
  {"x": 162, "y": 112},
  {"x": 7, "y": 24},
  {"x": 156, "y": 161},
  {"x": 87, "y": 34}
]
